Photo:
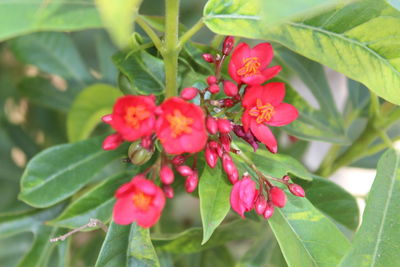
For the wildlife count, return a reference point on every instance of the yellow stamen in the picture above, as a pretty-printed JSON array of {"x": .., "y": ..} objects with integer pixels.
[
  {"x": 179, "y": 123},
  {"x": 250, "y": 67},
  {"x": 135, "y": 114},
  {"x": 262, "y": 112}
]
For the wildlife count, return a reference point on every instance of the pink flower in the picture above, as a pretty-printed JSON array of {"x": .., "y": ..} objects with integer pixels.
[
  {"x": 263, "y": 106},
  {"x": 250, "y": 65},
  {"x": 243, "y": 195},
  {"x": 139, "y": 201}
]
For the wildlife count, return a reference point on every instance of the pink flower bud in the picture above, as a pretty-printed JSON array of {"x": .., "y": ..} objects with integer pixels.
[
  {"x": 168, "y": 191},
  {"x": 225, "y": 140},
  {"x": 224, "y": 126},
  {"x": 107, "y": 118},
  {"x": 277, "y": 196},
  {"x": 269, "y": 210},
  {"x": 296, "y": 190},
  {"x": 212, "y": 125},
  {"x": 189, "y": 93},
  {"x": 214, "y": 88},
  {"x": 184, "y": 170},
  {"x": 230, "y": 88},
  {"x": 228, "y": 165},
  {"x": 178, "y": 160},
  {"x": 211, "y": 156},
  {"x": 146, "y": 142},
  {"x": 220, "y": 150},
  {"x": 208, "y": 58},
  {"x": 286, "y": 178},
  {"x": 260, "y": 205},
  {"x": 227, "y": 102},
  {"x": 166, "y": 175},
  {"x": 191, "y": 182},
  {"x": 112, "y": 141},
  {"x": 243, "y": 195},
  {"x": 228, "y": 45},
  {"x": 211, "y": 80},
  {"x": 234, "y": 176}
]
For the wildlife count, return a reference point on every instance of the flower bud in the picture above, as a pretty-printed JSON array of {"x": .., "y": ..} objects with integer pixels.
[
  {"x": 230, "y": 88},
  {"x": 228, "y": 165},
  {"x": 225, "y": 140},
  {"x": 286, "y": 178},
  {"x": 296, "y": 190},
  {"x": 269, "y": 210},
  {"x": 260, "y": 205},
  {"x": 184, "y": 170},
  {"x": 227, "y": 102},
  {"x": 112, "y": 141},
  {"x": 246, "y": 136},
  {"x": 234, "y": 176},
  {"x": 107, "y": 118},
  {"x": 214, "y": 88},
  {"x": 224, "y": 126},
  {"x": 208, "y": 58},
  {"x": 211, "y": 156},
  {"x": 138, "y": 154},
  {"x": 212, "y": 125},
  {"x": 228, "y": 45},
  {"x": 166, "y": 175},
  {"x": 191, "y": 182},
  {"x": 178, "y": 160},
  {"x": 277, "y": 196},
  {"x": 211, "y": 80},
  {"x": 168, "y": 191},
  {"x": 220, "y": 150},
  {"x": 147, "y": 142},
  {"x": 189, "y": 93}
]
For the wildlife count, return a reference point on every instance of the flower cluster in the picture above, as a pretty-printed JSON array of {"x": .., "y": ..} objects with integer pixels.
[{"x": 246, "y": 106}]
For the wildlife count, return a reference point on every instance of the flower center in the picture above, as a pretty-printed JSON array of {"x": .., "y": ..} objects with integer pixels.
[
  {"x": 141, "y": 201},
  {"x": 262, "y": 112},
  {"x": 250, "y": 67},
  {"x": 179, "y": 123},
  {"x": 135, "y": 114}
]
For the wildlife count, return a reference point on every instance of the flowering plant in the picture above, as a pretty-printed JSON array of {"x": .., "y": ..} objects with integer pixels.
[{"x": 178, "y": 150}]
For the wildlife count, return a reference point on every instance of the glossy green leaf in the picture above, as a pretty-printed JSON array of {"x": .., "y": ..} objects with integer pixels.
[
  {"x": 127, "y": 245},
  {"x": 95, "y": 203},
  {"x": 89, "y": 106},
  {"x": 332, "y": 200},
  {"x": 60, "y": 171},
  {"x": 19, "y": 17},
  {"x": 214, "y": 191},
  {"x": 189, "y": 241},
  {"x": 144, "y": 71},
  {"x": 53, "y": 53},
  {"x": 126, "y": 11},
  {"x": 375, "y": 242},
  {"x": 357, "y": 102},
  {"x": 354, "y": 40},
  {"x": 305, "y": 236}
]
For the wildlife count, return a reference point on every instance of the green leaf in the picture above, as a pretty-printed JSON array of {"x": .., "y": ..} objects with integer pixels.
[
  {"x": 95, "y": 203},
  {"x": 127, "y": 246},
  {"x": 375, "y": 242},
  {"x": 305, "y": 236},
  {"x": 189, "y": 241},
  {"x": 89, "y": 106},
  {"x": 53, "y": 53},
  {"x": 25, "y": 16},
  {"x": 144, "y": 71},
  {"x": 357, "y": 102},
  {"x": 332, "y": 200},
  {"x": 58, "y": 172},
  {"x": 214, "y": 191},
  {"x": 126, "y": 11},
  {"x": 354, "y": 40}
]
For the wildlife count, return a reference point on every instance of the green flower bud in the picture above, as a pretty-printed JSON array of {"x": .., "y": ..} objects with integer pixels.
[{"x": 139, "y": 155}]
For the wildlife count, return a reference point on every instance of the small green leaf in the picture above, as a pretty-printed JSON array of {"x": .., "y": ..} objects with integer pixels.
[
  {"x": 140, "y": 249},
  {"x": 58, "y": 172},
  {"x": 126, "y": 11},
  {"x": 305, "y": 236},
  {"x": 375, "y": 242},
  {"x": 214, "y": 191},
  {"x": 145, "y": 72},
  {"x": 89, "y": 106}
]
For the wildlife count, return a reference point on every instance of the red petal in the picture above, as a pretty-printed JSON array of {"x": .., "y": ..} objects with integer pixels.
[
  {"x": 124, "y": 211},
  {"x": 241, "y": 51},
  {"x": 255, "y": 79},
  {"x": 251, "y": 95},
  {"x": 273, "y": 93},
  {"x": 284, "y": 114},
  {"x": 270, "y": 73},
  {"x": 148, "y": 218},
  {"x": 264, "y": 135},
  {"x": 264, "y": 52},
  {"x": 235, "y": 201},
  {"x": 246, "y": 118}
]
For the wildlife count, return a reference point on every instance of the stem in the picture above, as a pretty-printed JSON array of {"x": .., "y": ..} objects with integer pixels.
[
  {"x": 171, "y": 51},
  {"x": 149, "y": 31},
  {"x": 90, "y": 224},
  {"x": 192, "y": 31}
]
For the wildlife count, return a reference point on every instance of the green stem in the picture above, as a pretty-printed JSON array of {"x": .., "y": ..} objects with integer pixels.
[
  {"x": 149, "y": 31},
  {"x": 192, "y": 31},
  {"x": 171, "y": 51}
]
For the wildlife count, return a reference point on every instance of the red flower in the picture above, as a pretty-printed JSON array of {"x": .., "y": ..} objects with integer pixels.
[
  {"x": 263, "y": 105},
  {"x": 133, "y": 116},
  {"x": 180, "y": 126},
  {"x": 243, "y": 195},
  {"x": 139, "y": 201},
  {"x": 250, "y": 66}
]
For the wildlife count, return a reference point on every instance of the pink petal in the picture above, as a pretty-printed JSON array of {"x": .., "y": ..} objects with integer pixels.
[
  {"x": 124, "y": 211},
  {"x": 255, "y": 79},
  {"x": 251, "y": 95},
  {"x": 235, "y": 200},
  {"x": 264, "y": 52},
  {"x": 264, "y": 135},
  {"x": 270, "y": 73},
  {"x": 284, "y": 114},
  {"x": 241, "y": 51},
  {"x": 273, "y": 93},
  {"x": 246, "y": 118},
  {"x": 148, "y": 218}
]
